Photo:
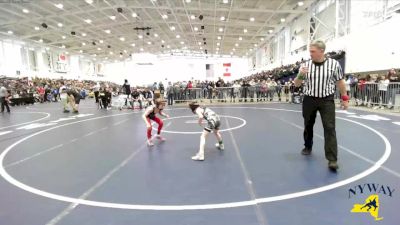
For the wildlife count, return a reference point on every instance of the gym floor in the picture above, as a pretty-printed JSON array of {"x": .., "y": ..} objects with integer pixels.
[{"x": 95, "y": 168}]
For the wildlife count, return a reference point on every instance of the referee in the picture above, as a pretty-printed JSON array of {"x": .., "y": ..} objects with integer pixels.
[{"x": 321, "y": 75}]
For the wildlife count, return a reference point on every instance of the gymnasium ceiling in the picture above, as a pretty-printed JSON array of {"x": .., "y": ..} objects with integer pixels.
[{"x": 105, "y": 29}]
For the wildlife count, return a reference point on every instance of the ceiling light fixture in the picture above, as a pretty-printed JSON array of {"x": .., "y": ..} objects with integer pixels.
[{"x": 60, "y": 6}]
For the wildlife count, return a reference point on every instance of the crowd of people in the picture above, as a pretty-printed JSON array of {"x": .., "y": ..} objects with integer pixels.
[
  {"x": 273, "y": 85},
  {"x": 374, "y": 90}
]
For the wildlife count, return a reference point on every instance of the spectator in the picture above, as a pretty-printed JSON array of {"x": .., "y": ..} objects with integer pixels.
[
  {"x": 96, "y": 90},
  {"x": 393, "y": 87},
  {"x": 383, "y": 87},
  {"x": 170, "y": 93},
  {"x": 126, "y": 87},
  {"x": 4, "y": 98}
]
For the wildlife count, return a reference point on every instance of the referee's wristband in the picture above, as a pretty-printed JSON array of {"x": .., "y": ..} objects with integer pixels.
[
  {"x": 301, "y": 76},
  {"x": 345, "y": 98}
]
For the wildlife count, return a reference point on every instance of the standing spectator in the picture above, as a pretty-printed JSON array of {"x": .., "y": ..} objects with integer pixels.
[
  {"x": 189, "y": 93},
  {"x": 161, "y": 87},
  {"x": 394, "y": 87},
  {"x": 236, "y": 91},
  {"x": 264, "y": 91},
  {"x": 348, "y": 83},
  {"x": 291, "y": 87},
  {"x": 4, "y": 98},
  {"x": 361, "y": 92},
  {"x": 252, "y": 89},
  {"x": 170, "y": 93},
  {"x": 154, "y": 86},
  {"x": 127, "y": 90},
  {"x": 383, "y": 87},
  {"x": 371, "y": 88},
  {"x": 96, "y": 90},
  {"x": 271, "y": 85},
  {"x": 245, "y": 88},
  {"x": 210, "y": 88},
  {"x": 176, "y": 91},
  {"x": 372, "y": 92},
  {"x": 279, "y": 89},
  {"x": 204, "y": 89},
  {"x": 286, "y": 91},
  {"x": 257, "y": 87},
  {"x": 55, "y": 94}
]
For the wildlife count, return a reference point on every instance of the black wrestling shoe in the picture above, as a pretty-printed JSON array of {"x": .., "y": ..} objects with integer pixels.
[
  {"x": 306, "y": 151},
  {"x": 333, "y": 165}
]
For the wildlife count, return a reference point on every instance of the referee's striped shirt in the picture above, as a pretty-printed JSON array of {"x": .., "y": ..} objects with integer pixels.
[{"x": 321, "y": 78}]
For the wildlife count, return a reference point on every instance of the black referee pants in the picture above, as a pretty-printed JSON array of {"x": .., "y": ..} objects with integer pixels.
[{"x": 326, "y": 108}]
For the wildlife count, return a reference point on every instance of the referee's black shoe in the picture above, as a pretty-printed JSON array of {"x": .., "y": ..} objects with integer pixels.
[{"x": 306, "y": 151}]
